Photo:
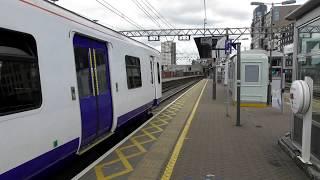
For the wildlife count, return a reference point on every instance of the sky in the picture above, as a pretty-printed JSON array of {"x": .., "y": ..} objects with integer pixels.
[{"x": 179, "y": 13}]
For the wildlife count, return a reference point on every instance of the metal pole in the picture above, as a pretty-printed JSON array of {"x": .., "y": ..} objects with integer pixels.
[
  {"x": 282, "y": 80},
  {"x": 205, "y": 17},
  {"x": 227, "y": 76},
  {"x": 238, "y": 82},
  {"x": 270, "y": 58}
]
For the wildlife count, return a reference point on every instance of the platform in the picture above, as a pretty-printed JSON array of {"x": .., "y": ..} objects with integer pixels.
[{"x": 191, "y": 138}]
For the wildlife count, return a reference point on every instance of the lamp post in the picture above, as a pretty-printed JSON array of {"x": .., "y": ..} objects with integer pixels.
[{"x": 271, "y": 39}]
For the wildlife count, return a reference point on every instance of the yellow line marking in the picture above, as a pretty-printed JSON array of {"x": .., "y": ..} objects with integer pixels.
[
  {"x": 171, "y": 112},
  {"x": 126, "y": 164},
  {"x": 256, "y": 105},
  {"x": 138, "y": 145},
  {"x": 99, "y": 172},
  {"x": 165, "y": 115},
  {"x": 150, "y": 135},
  {"x": 176, "y": 151}
]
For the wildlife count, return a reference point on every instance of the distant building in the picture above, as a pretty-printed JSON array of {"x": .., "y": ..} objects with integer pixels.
[
  {"x": 261, "y": 22},
  {"x": 168, "y": 53},
  {"x": 282, "y": 39},
  {"x": 258, "y": 21}
]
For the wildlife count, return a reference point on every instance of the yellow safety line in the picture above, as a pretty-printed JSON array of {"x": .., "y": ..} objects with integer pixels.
[
  {"x": 176, "y": 151},
  {"x": 256, "y": 105}
]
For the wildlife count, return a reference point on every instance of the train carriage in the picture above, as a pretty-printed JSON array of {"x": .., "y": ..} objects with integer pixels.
[{"x": 67, "y": 83}]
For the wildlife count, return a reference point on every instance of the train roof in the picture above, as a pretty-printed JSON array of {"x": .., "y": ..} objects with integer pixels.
[{"x": 70, "y": 15}]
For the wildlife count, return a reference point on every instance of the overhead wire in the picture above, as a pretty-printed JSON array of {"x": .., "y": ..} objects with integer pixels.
[
  {"x": 146, "y": 13},
  {"x": 119, "y": 13},
  {"x": 158, "y": 14}
]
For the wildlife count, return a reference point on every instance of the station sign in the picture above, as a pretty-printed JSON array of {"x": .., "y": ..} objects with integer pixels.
[{"x": 228, "y": 46}]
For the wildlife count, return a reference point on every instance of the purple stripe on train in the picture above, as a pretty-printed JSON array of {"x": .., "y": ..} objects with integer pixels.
[
  {"x": 134, "y": 113},
  {"x": 40, "y": 163}
]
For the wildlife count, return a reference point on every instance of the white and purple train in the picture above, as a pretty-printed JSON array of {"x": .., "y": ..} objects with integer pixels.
[{"x": 66, "y": 84}]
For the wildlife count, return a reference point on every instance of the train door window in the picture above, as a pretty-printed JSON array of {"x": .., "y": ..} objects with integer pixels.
[
  {"x": 100, "y": 61},
  {"x": 251, "y": 73},
  {"x": 20, "y": 88},
  {"x": 151, "y": 72},
  {"x": 83, "y": 74},
  {"x": 133, "y": 69},
  {"x": 158, "y": 68}
]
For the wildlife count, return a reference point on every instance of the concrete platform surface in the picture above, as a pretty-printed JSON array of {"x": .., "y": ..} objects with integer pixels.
[{"x": 216, "y": 149}]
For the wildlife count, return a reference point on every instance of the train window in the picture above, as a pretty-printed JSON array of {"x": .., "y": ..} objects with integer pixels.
[
  {"x": 252, "y": 73},
  {"x": 83, "y": 75},
  {"x": 133, "y": 69},
  {"x": 101, "y": 71},
  {"x": 19, "y": 73},
  {"x": 158, "y": 68},
  {"x": 151, "y": 72}
]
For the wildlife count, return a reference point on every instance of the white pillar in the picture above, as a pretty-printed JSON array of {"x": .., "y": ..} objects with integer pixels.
[{"x": 306, "y": 129}]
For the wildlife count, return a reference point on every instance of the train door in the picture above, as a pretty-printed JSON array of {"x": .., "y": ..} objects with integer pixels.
[{"x": 94, "y": 87}]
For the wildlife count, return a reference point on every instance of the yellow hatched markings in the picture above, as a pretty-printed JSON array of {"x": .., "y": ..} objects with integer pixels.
[
  {"x": 153, "y": 127},
  {"x": 169, "y": 112},
  {"x": 163, "y": 115}
]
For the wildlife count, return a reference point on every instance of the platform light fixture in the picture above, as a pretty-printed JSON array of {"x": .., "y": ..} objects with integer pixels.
[
  {"x": 255, "y": 3},
  {"x": 288, "y": 2}
]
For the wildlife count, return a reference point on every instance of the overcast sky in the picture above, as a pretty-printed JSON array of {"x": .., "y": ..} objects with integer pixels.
[{"x": 180, "y": 13}]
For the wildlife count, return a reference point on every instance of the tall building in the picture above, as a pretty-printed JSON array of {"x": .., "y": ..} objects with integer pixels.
[
  {"x": 258, "y": 22},
  {"x": 261, "y": 37},
  {"x": 261, "y": 24},
  {"x": 168, "y": 53}
]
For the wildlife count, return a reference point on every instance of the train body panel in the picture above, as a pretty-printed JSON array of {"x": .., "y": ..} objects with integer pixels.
[{"x": 51, "y": 129}]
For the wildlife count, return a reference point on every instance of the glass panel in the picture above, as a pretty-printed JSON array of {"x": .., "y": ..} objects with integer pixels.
[
  {"x": 19, "y": 73},
  {"x": 315, "y": 136},
  {"x": 101, "y": 71},
  {"x": 83, "y": 73},
  {"x": 158, "y": 68},
  {"x": 151, "y": 72},
  {"x": 133, "y": 72},
  {"x": 297, "y": 130},
  {"x": 251, "y": 73},
  {"x": 19, "y": 86},
  {"x": 309, "y": 61}
]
